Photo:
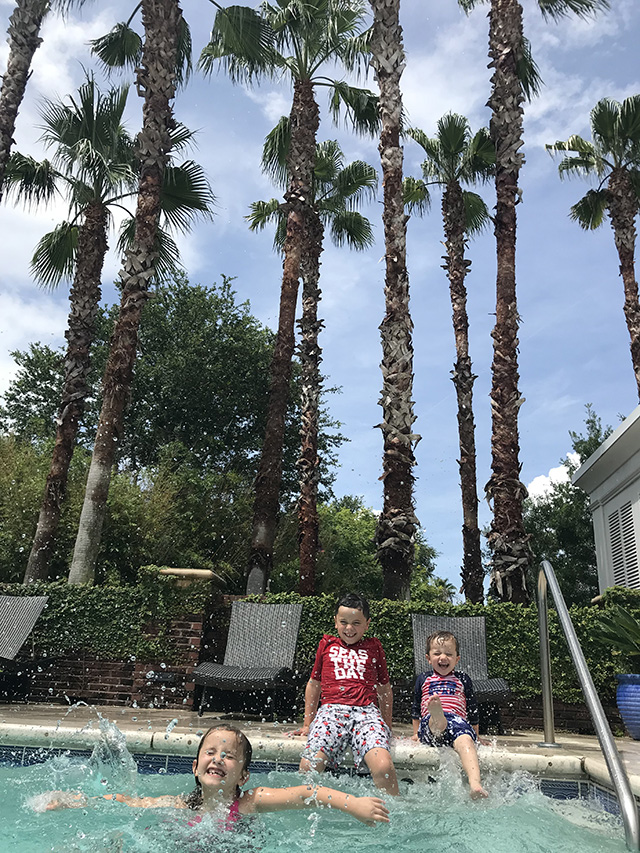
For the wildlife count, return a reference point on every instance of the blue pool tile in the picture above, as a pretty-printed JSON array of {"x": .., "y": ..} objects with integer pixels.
[
  {"x": 560, "y": 789},
  {"x": 150, "y": 764}
]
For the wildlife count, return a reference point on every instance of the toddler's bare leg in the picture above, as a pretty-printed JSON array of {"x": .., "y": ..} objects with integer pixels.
[
  {"x": 383, "y": 773},
  {"x": 318, "y": 763},
  {"x": 466, "y": 749},
  {"x": 437, "y": 719}
]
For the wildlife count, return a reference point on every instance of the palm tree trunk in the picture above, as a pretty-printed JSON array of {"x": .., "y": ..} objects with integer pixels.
[
  {"x": 397, "y": 524},
  {"x": 304, "y": 122},
  {"x": 24, "y": 39},
  {"x": 463, "y": 379},
  {"x": 623, "y": 207},
  {"x": 157, "y": 79},
  {"x": 311, "y": 380},
  {"x": 84, "y": 298},
  {"x": 508, "y": 541}
]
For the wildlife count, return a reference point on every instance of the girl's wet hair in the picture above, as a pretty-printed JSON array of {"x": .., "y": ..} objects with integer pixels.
[{"x": 194, "y": 799}]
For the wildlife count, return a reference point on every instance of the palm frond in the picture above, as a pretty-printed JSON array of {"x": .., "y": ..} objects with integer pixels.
[
  {"x": 30, "y": 181},
  {"x": 589, "y": 212},
  {"x": 184, "y": 63},
  {"x": 167, "y": 262},
  {"x": 476, "y": 213},
  {"x": 120, "y": 48},
  {"x": 479, "y": 159},
  {"x": 586, "y": 159},
  {"x": 556, "y": 9},
  {"x": 329, "y": 162},
  {"x": 528, "y": 71},
  {"x": 416, "y": 196},
  {"x": 360, "y": 105},
  {"x": 356, "y": 182},
  {"x": 453, "y": 134},
  {"x": 605, "y": 125},
  {"x": 275, "y": 152},
  {"x": 186, "y": 194},
  {"x": 468, "y": 5},
  {"x": 54, "y": 256},
  {"x": 263, "y": 213},
  {"x": 242, "y": 41},
  {"x": 351, "y": 228},
  {"x": 356, "y": 51},
  {"x": 629, "y": 124}
]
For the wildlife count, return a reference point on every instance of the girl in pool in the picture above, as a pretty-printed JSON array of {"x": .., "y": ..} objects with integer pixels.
[{"x": 221, "y": 768}]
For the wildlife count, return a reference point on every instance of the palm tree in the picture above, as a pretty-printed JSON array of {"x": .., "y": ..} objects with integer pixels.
[
  {"x": 336, "y": 190},
  {"x": 613, "y": 157},
  {"x": 511, "y": 84},
  {"x": 156, "y": 80},
  {"x": 397, "y": 525},
  {"x": 455, "y": 157},
  {"x": 95, "y": 165},
  {"x": 299, "y": 41},
  {"x": 24, "y": 39}
]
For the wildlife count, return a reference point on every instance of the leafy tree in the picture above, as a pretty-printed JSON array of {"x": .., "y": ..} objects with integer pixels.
[
  {"x": 193, "y": 431},
  {"x": 157, "y": 82},
  {"x": 336, "y": 190},
  {"x": 514, "y": 78},
  {"x": 397, "y": 523},
  {"x": 613, "y": 158},
  {"x": 560, "y": 526},
  {"x": 347, "y": 554},
  {"x": 94, "y": 165},
  {"x": 454, "y": 158},
  {"x": 32, "y": 398},
  {"x": 300, "y": 41}
]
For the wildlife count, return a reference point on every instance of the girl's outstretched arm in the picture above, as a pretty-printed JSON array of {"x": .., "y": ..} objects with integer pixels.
[
  {"x": 77, "y": 800},
  {"x": 369, "y": 810}
]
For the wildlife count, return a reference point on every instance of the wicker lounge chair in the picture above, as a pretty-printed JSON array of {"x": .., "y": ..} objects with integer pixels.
[
  {"x": 260, "y": 649},
  {"x": 470, "y": 631},
  {"x": 18, "y": 615}
]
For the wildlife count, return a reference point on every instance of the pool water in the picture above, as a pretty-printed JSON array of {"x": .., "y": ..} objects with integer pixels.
[{"x": 437, "y": 817}]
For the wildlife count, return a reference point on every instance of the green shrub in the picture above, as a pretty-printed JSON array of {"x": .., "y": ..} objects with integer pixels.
[
  {"x": 109, "y": 621},
  {"x": 513, "y": 648}
]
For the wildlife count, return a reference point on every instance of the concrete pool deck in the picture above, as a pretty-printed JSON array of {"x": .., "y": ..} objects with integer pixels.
[{"x": 173, "y": 732}]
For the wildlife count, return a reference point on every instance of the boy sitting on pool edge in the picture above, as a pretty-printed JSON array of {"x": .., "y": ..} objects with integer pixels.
[
  {"x": 444, "y": 710},
  {"x": 350, "y": 678}
]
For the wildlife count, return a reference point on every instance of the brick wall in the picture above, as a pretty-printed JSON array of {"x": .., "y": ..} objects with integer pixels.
[{"x": 82, "y": 676}]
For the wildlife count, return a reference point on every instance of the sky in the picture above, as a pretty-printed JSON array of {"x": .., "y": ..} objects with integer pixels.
[{"x": 574, "y": 345}]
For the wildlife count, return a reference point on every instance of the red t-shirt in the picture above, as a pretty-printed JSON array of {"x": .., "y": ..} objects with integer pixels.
[{"x": 349, "y": 673}]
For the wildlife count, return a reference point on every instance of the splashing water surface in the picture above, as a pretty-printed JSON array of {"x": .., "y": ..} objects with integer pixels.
[{"x": 437, "y": 817}]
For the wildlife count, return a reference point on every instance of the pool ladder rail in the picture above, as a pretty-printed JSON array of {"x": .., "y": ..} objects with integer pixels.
[{"x": 619, "y": 778}]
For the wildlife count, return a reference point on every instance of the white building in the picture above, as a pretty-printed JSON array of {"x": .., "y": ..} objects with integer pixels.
[{"x": 611, "y": 478}]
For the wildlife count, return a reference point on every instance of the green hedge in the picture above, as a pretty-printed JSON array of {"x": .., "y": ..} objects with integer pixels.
[
  {"x": 107, "y": 620},
  {"x": 513, "y": 648}
]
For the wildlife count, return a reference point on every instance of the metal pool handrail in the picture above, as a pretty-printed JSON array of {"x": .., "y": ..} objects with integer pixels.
[{"x": 628, "y": 807}]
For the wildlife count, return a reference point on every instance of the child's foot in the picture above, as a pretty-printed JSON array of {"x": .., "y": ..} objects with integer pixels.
[
  {"x": 478, "y": 793},
  {"x": 437, "y": 719}
]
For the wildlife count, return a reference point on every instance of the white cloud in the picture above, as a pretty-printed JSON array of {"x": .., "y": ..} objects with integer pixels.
[
  {"x": 33, "y": 316},
  {"x": 541, "y": 485}
]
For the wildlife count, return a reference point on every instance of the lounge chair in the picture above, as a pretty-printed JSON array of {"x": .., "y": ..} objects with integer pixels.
[
  {"x": 18, "y": 615},
  {"x": 470, "y": 631},
  {"x": 261, "y": 645}
]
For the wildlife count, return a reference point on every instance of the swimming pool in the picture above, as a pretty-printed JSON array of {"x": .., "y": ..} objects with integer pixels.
[{"x": 436, "y": 816}]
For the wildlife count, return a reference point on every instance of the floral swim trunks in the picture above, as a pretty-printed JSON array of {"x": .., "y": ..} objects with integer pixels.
[
  {"x": 456, "y": 726},
  {"x": 335, "y": 727}
]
